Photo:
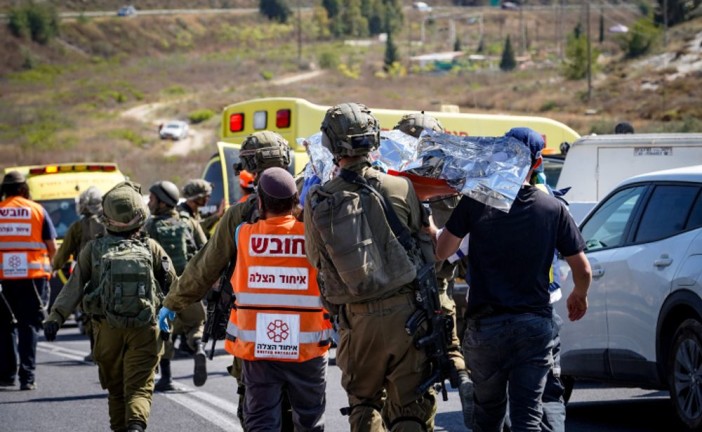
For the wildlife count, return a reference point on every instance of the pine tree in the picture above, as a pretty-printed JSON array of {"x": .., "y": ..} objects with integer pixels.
[
  {"x": 390, "y": 52},
  {"x": 508, "y": 61},
  {"x": 275, "y": 10}
]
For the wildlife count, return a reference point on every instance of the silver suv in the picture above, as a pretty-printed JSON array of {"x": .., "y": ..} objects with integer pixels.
[{"x": 643, "y": 327}]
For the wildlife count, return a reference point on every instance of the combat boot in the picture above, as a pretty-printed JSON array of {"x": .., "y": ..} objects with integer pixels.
[
  {"x": 136, "y": 427},
  {"x": 200, "y": 368},
  {"x": 166, "y": 382}
]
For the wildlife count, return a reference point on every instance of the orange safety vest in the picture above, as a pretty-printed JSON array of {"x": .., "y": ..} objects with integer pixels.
[
  {"x": 23, "y": 253},
  {"x": 278, "y": 314}
]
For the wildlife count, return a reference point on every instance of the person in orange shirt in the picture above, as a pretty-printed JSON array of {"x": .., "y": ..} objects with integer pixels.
[
  {"x": 27, "y": 245},
  {"x": 246, "y": 182},
  {"x": 278, "y": 326}
]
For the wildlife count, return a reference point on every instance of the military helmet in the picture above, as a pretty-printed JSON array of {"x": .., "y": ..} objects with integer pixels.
[
  {"x": 197, "y": 188},
  {"x": 123, "y": 207},
  {"x": 166, "y": 192},
  {"x": 90, "y": 201},
  {"x": 414, "y": 123},
  {"x": 264, "y": 149},
  {"x": 349, "y": 129}
]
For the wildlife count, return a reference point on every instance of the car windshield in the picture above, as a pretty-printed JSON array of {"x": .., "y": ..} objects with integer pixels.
[{"x": 62, "y": 212}]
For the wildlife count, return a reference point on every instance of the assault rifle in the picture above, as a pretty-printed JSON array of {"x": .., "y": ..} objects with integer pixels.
[
  {"x": 220, "y": 300},
  {"x": 437, "y": 338}
]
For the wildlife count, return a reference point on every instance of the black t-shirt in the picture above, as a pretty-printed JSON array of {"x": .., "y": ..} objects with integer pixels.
[{"x": 511, "y": 253}]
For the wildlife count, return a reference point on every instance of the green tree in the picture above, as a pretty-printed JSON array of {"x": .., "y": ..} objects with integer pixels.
[
  {"x": 333, "y": 7},
  {"x": 508, "y": 62},
  {"x": 678, "y": 11},
  {"x": 38, "y": 21},
  {"x": 351, "y": 21},
  {"x": 457, "y": 44},
  {"x": 575, "y": 63},
  {"x": 391, "y": 55},
  {"x": 275, "y": 10},
  {"x": 640, "y": 38}
]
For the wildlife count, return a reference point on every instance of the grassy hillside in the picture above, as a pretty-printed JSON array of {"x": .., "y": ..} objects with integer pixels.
[{"x": 71, "y": 100}]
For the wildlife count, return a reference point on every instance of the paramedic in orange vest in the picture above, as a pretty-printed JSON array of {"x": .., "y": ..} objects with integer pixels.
[
  {"x": 278, "y": 326},
  {"x": 27, "y": 245}
]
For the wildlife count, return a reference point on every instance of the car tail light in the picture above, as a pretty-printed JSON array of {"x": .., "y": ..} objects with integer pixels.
[
  {"x": 282, "y": 118},
  {"x": 260, "y": 120},
  {"x": 236, "y": 122}
]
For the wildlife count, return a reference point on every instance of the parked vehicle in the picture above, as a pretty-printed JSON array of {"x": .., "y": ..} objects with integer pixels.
[
  {"x": 174, "y": 130},
  {"x": 643, "y": 327},
  {"x": 595, "y": 164},
  {"x": 127, "y": 11}
]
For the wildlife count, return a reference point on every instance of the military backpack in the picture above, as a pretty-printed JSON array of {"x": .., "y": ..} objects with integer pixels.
[
  {"x": 123, "y": 288},
  {"x": 364, "y": 260},
  {"x": 176, "y": 238}
]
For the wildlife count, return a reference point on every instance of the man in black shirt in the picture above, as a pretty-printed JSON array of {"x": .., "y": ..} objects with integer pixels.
[{"x": 509, "y": 337}]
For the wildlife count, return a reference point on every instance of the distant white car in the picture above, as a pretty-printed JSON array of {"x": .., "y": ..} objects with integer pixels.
[
  {"x": 421, "y": 6},
  {"x": 643, "y": 327},
  {"x": 174, "y": 130}
]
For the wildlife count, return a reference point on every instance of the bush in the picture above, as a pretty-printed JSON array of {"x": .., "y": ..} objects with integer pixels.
[
  {"x": 38, "y": 21},
  {"x": 641, "y": 38},
  {"x": 200, "y": 116},
  {"x": 329, "y": 60}
]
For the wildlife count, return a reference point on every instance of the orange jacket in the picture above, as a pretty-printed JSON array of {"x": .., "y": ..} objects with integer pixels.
[
  {"x": 23, "y": 253},
  {"x": 278, "y": 314}
]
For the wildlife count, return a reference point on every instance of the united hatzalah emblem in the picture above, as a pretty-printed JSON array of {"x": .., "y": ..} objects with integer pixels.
[{"x": 278, "y": 331}]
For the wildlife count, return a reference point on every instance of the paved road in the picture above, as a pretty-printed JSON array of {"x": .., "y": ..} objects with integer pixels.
[{"x": 69, "y": 397}]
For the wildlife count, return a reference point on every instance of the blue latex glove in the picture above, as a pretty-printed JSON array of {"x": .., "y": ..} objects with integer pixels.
[
  {"x": 163, "y": 315},
  {"x": 309, "y": 182}
]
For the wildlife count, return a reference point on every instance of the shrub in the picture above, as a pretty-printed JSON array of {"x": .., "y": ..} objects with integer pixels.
[
  {"x": 267, "y": 75},
  {"x": 38, "y": 21},
  {"x": 129, "y": 135},
  {"x": 641, "y": 38},
  {"x": 329, "y": 60},
  {"x": 200, "y": 115},
  {"x": 548, "y": 105}
]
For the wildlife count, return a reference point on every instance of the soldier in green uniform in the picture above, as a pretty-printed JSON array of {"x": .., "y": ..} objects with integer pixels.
[
  {"x": 413, "y": 124},
  {"x": 196, "y": 193},
  {"x": 126, "y": 354},
  {"x": 259, "y": 151},
  {"x": 88, "y": 227},
  {"x": 381, "y": 367},
  {"x": 181, "y": 238}
]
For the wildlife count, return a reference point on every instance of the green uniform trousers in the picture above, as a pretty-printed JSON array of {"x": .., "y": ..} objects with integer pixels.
[
  {"x": 126, "y": 360},
  {"x": 190, "y": 322},
  {"x": 381, "y": 368},
  {"x": 448, "y": 306}
]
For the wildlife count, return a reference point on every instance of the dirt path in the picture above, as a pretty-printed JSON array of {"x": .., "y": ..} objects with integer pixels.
[
  {"x": 196, "y": 138},
  {"x": 145, "y": 113}
]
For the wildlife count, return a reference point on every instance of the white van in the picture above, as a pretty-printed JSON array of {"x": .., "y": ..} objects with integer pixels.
[{"x": 595, "y": 164}]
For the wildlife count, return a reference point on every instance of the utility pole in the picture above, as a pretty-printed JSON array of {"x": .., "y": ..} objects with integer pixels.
[
  {"x": 665, "y": 23},
  {"x": 589, "y": 51},
  {"x": 299, "y": 34},
  {"x": 522, "y": 31}
]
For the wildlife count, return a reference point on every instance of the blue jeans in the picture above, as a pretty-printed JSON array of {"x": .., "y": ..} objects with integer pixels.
[
  {"x": 509, "y": 354},
  {"x": 554, "y": 404}
]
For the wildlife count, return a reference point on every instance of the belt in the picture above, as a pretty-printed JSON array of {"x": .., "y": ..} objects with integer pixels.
[{"x": 381, "y": 304}]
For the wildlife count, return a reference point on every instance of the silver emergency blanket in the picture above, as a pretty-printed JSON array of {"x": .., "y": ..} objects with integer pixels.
[{"x": 490, "y": 170}]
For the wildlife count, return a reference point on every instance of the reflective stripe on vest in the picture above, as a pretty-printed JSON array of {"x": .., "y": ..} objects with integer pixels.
[
  {"x": 250, "y": 335},
  {"x": 285, "y": 300},
  {"x": 23, "y": 253},
  {"x": 278, "y": 314}
]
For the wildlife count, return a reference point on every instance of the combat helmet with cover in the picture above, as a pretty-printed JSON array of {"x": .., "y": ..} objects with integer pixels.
[
  {"x": 123, "y": 208},
  {"x": 264, "y": 149},
  {"x": 414, "y": 123},
  {"x": 197, "y": 188},
  {"x": 349, "y": 129}
]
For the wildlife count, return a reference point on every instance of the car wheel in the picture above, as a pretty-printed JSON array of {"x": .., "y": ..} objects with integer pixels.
[{"x": 685, "y": 373}]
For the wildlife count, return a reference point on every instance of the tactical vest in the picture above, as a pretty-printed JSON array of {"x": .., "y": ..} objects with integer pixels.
[
  {"x": 278, "y": 313},
  {"x": 23, "y": 253}
]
